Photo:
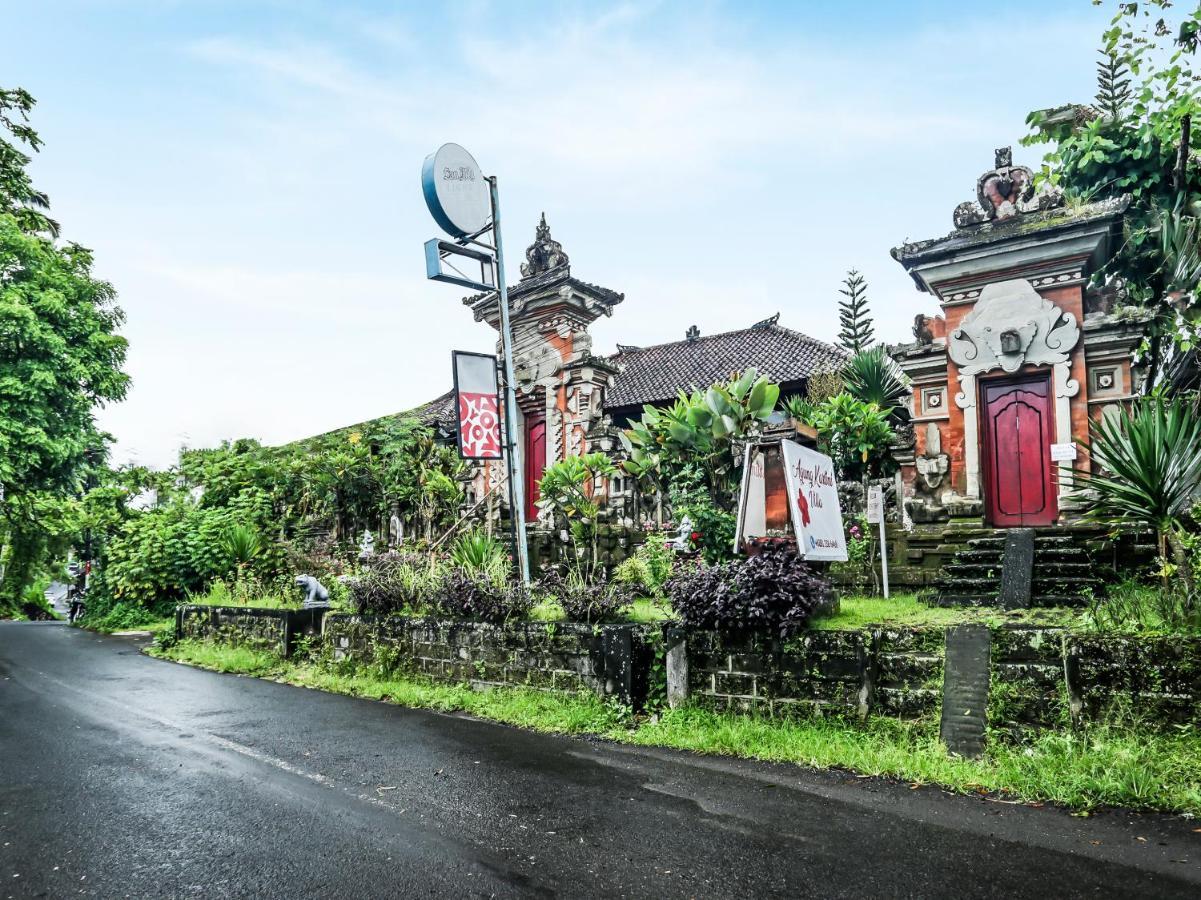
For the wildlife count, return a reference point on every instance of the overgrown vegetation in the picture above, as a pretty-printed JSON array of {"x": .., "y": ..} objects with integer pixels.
[{"x": 1136, "y": 140}]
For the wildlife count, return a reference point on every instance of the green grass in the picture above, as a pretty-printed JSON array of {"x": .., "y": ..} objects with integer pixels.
[
  {"x": 907, "y": 610},
  {"x": 220, "y": 593},
  {"x": 1114, "y": 765},
  {"x": 650, "y": 612}
]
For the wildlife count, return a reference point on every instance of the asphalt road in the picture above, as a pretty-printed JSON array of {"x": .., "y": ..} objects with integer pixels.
[{"x": 124, "y": 775}]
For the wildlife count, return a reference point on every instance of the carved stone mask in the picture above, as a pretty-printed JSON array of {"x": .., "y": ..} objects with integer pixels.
[{"x": 1011, "y": 325}]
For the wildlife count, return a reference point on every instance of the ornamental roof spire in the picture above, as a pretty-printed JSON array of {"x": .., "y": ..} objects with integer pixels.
[
  {"x": 544, "y": 254},
  {"x": 1005, "y": 191}
]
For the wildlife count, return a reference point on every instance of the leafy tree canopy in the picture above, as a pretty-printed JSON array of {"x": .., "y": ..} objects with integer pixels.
[
  {"x": 1135, "y": 139},
  {"x": 60, "y": 358}
]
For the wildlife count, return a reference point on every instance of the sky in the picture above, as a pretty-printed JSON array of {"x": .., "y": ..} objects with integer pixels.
[{"x": 248, "y": 173}]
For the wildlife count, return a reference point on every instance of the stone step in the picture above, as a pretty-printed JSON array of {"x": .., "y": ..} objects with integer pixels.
[
  {"x": 956, "y": 598},
  {"x": 992, "y": 569},
  {"x": 1046, "y": 542}
]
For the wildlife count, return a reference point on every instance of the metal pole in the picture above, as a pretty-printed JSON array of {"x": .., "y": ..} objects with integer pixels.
[
  {"x": 883, "y": 545},
  {"x": 516, "y": 486}
]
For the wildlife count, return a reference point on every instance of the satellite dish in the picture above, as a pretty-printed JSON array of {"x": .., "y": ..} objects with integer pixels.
[{"x": 455, "y": 191}]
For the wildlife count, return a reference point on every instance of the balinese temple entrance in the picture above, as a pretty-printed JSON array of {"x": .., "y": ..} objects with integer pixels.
[
  {"x": 1022, "y": 357},
  {"x": 1024, "y": 354}
]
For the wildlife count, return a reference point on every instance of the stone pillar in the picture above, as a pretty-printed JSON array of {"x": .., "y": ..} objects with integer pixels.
[
  {"x": 677, "y": 667},
  {"x": 1065, "y": 389},
  {"x": 966, "y": 400}
]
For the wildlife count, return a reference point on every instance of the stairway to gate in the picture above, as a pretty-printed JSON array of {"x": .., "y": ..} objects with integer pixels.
[{"x": 1063, "y": 571}]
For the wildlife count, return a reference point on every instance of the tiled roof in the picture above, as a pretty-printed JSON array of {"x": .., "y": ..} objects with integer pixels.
[
  {"x": 439, "y": 411},
  {"x": 658, "y": 373}
]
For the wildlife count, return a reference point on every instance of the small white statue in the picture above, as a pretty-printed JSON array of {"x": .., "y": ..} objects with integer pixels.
[
  {"x": 683, "y": 540},
  {"x": 367, "y": 545}
]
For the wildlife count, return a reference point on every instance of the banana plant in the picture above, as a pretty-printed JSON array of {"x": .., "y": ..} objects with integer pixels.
[{"x": 701, "y": 427}]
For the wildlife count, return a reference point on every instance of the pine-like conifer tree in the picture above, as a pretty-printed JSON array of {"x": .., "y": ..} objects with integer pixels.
[
  {"x": 855, "y": 333},
  {"x": 1113, "y": 86}
]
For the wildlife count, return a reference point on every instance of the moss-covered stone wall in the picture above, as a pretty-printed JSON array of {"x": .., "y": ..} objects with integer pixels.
[{"x": 610, "y": 660}]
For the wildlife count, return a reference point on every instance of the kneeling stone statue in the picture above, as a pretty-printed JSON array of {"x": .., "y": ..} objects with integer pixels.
[{"x": 315, "y": 593}]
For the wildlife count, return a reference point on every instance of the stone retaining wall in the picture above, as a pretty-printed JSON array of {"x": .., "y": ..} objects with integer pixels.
[
  {"x": 273, "y": 630},
  {"x": 884, "y": 671},
  {"x": 1041, "y": 677},
  {"x": 611, "y": 660}
]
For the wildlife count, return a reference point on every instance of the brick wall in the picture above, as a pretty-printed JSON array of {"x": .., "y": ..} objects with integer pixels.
[{"x": 262, "y": 629}]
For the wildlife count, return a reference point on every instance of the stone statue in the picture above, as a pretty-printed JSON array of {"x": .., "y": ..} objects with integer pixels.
[
  {"x": 367, "y": 545},
  {"x": 683, "y": 538},
  {"x": 315, "y": 593},
  {"x": 1005, "y": 191},
  {"x": 396, "y": 531},
  {"x": 921, "y": 331},
  {"x": 930, "y": 496}
]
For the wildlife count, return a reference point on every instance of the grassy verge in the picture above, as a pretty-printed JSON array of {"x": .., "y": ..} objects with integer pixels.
[
  {"x": 906, "y": 610},
  {"x": 1103, "y": 766}
]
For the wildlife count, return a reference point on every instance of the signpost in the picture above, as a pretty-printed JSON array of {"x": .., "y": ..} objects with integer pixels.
[
  {"x": 875, "y": 516},
  {"x": 465, "y": 204}
]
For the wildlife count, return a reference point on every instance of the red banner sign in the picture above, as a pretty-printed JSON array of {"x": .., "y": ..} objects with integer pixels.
[{"x": 477, "y": 403}]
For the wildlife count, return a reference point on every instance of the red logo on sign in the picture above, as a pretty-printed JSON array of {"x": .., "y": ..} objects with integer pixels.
[{"x": 803, "y": 503}]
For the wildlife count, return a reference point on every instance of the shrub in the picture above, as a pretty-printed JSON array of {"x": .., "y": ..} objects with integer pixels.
[
  {"x": 774, "y": 592},
  {"x": 590, "y": 602},
  {"x": 462, "y": 595},
  {"x": 395, "y": 582},
  {"x": 480, "y": 553},
  {"x": 649, "y": 568},
  {"x": 714, "y": 527}
]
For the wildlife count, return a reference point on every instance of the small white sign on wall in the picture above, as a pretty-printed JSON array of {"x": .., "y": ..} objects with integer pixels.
[
  {"x": 875, "y": 505},
  {"x": 1063, "y": 452}
]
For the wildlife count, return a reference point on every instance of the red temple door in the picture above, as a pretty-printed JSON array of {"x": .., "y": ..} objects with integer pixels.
[
  {"x": 1018, "y": 427},
  {"x": 535, "y": 463}
]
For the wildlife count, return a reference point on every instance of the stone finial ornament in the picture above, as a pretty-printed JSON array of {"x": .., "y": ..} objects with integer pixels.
[
  {"x": 544, "y": 254},
  {"x": 922, "y": 331},
  {"x": 1012, "y": 325},
  {"x": 1005, "y": 191}
]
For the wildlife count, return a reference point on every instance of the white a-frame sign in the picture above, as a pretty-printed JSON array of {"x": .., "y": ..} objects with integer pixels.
[{"x": 789, "y": 488}]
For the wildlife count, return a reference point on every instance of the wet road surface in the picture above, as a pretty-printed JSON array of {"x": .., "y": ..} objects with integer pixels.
[{"x": 122, "y": 775}]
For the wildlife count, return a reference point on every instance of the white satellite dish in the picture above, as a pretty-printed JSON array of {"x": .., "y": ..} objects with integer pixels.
[{"x": 456, "y": 191}]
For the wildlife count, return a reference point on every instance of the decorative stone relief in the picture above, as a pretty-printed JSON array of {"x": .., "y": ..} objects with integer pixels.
[
  {"x": 1005, "y": 191},
  {"x": 1010, "y": 326},
  {"x": 933, "y": 464}
]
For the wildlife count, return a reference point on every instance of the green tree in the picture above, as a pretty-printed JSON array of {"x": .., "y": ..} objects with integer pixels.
[
  {"x": 1135, "y": 140},
  {"x": 702, "y": 428},
  {"x": 18, "y": 197},
  {"x": 60, "y": 358},
  {"x": 855, "y": 333}
]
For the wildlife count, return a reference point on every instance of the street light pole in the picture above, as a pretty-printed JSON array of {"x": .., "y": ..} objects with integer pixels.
[{"x": 516, "y": 483}]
